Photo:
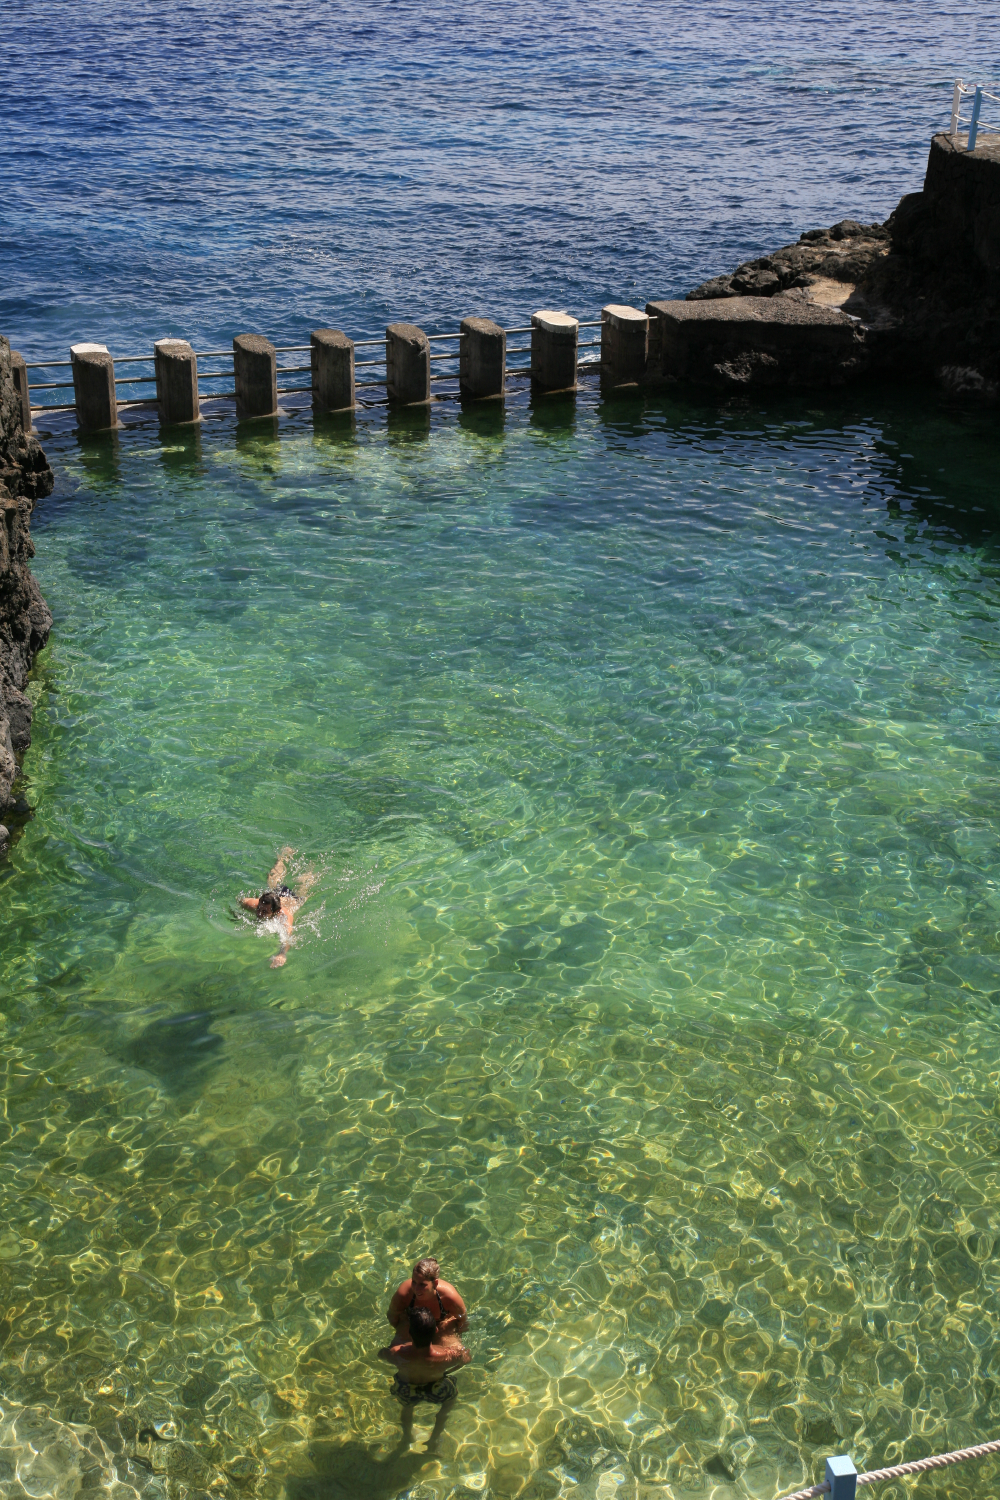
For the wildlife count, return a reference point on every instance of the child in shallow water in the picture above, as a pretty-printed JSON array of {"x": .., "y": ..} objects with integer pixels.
[{"x": 279, "y": 903}]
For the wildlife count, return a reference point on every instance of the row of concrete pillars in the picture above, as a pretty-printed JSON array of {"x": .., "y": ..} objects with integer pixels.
[{"x": 482, "y": 361}]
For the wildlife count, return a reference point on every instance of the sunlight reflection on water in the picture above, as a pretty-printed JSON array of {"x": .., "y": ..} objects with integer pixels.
[{"x": 649, "y": 759}]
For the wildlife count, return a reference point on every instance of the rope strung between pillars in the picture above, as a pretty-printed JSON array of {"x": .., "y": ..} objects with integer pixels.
[
  {"x": 900, "y": 1471},
  {"x": 921, "y": 1465}
]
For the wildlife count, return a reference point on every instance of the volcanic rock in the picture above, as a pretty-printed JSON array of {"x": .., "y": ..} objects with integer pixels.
[{"x": 25, "y": 619}]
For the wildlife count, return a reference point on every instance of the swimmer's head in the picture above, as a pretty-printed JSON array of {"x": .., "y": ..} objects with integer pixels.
[
  {"x": 426, "y": 1273},
  {"x": 423, "y": 1327},
  {"x": 268, "y": 904}
]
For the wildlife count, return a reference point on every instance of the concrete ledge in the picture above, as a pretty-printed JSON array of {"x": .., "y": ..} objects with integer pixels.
[{"x": 739, "y": 342}]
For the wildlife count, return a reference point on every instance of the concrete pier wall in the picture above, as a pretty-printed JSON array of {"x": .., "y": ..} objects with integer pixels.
[
  {"x": 331, "y": 359},
  {"x": 176, "y": 381},
  {"x": 255, "y": 367},
  {"x": 94, "y": 387},
  {"x": 407, "y": 364},
  {"x": 554, "y": 340},
  {"x": 482, "y": 367},
  {"x": 19, "y": 375},
  {"x": 916, "y": 298}
]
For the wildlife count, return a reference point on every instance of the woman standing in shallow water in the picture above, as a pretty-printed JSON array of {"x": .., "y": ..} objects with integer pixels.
[{"x": 279, "y": 903}]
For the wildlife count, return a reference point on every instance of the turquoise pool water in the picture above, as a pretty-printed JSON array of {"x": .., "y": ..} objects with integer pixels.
[{"x": 647, "y": 758}]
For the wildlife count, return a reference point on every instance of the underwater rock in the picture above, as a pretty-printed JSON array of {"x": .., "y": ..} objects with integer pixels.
[
  {"x": 25, "y": 619},
  {"x": 45, "y": 1457}
]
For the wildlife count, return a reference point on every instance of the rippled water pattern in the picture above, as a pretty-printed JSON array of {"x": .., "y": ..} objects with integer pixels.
[
  {"x": 646, "y": 755},
  {"x": 648, "y": 760},
  {"x": 211, "y": 168}
]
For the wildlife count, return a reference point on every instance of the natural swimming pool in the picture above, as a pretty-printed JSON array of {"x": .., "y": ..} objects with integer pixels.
[{"x": 647, "y": 755}]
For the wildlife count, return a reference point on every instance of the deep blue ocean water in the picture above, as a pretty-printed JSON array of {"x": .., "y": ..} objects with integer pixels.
[
  {"x": 643, "y": 752},
  {"x": 201, "y": 170}
]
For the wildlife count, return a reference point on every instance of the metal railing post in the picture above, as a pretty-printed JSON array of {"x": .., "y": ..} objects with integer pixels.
[
  {"x": 956, "y": 107},
  {"x": 842, "y": 1477},
  {"x": 977, "y": 105}
]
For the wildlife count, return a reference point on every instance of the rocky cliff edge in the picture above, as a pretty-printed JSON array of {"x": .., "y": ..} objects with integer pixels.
[
  {"x": 924, "y": 287},
  {"x": 25, "y": 618}
]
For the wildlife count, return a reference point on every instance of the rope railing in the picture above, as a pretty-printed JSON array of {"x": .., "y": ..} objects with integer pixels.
[
  {"x": 842, "y": 1477},
  {"x": 977, "y": 93}
]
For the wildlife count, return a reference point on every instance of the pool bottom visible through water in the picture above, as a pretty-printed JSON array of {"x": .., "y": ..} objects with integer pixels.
[{"x": 646, "y": 760}]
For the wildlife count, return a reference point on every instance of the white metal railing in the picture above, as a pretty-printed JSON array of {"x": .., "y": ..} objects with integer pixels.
[{"x": 977, "y": 94}]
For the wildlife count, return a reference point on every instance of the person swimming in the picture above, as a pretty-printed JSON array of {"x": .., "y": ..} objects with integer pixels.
[{"x": 279, "y": 903}]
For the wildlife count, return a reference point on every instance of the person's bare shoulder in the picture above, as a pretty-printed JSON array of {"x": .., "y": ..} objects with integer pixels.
[
  {"x": 450, "y": 1293},
  {"x": 404, "y": 1290}
]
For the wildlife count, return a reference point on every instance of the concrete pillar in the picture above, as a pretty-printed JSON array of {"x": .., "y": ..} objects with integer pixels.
[
  {"x": 482, "y": 358},
  {"x": 624, "y": 335},
  {"x": 407, "y": 364},
  {"x": 20, "y": 374},
  {"x": 331, "y": 355},
  {"x": 554, "y": 337},
  {"x": 176, "y": 381},
  {"x": 654, "y": 342},
  {"x": 255, "y": 365},
  {"x": 94, "y": 387}
]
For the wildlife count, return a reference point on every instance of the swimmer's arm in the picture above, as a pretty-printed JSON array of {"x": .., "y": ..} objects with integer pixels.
[
  {"x": 457, "y": 1360},
  {"x": 399, "y": 1300},
  {"x": 250, "y": 902},
  {"x": 456, "y": 1319},
  {"x": 390, "y": 1355}
]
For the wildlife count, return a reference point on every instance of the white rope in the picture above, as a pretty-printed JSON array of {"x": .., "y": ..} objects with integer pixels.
[
  {"x": 899, "y": 1471},
  {"x": 922, "y": 1465}
]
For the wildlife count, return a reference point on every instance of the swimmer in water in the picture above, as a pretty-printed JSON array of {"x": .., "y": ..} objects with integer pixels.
[{"x": 279, "y": 901}]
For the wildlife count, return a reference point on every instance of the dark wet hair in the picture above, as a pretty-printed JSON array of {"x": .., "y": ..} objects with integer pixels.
[
  {"x": 423, "y": 1327},
  {"x": 428, "y": 1269},
  {"x": 269, "y": 904}
]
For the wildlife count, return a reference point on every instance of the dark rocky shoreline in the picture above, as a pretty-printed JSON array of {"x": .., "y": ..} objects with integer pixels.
[
  {"x": 923, "y": 288},
  {"x": 25, "y": 618}
]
